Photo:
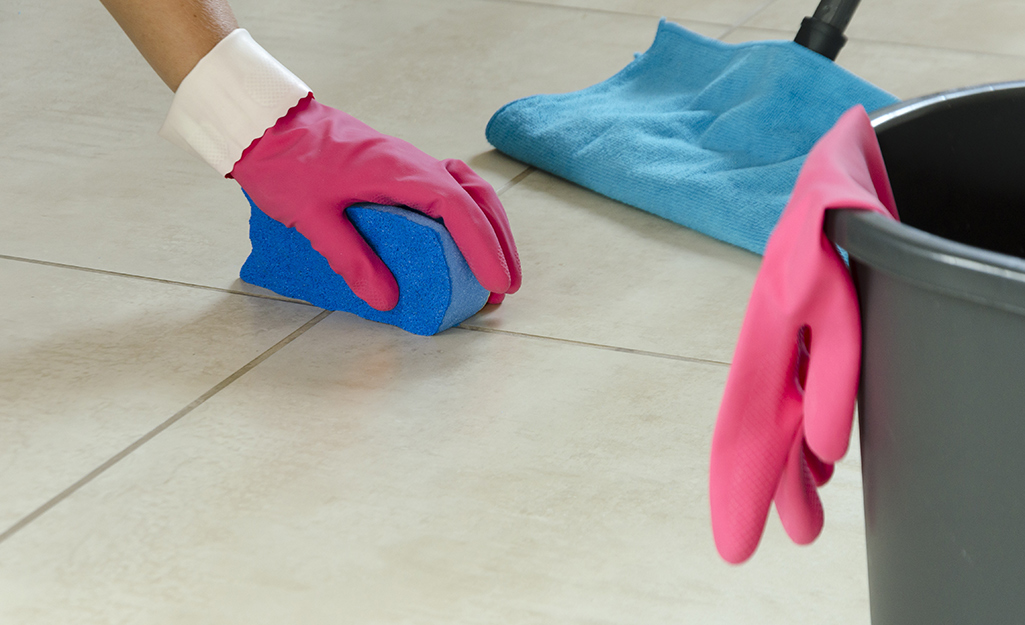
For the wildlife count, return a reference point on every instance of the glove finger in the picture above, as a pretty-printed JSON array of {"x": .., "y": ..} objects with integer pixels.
[
  {"x": 484, "y": 195},
  {"x": 821, "y": 471},
  {"x": 419, "y": 182},
  {"x": 833, "y": 366},
  {"x": 744, "y": 481},
  {"x": 349, "y": 255},
  {"x": 759, "y": 417},
  {"x": 440, "y": 196},
  {"x": 797, "y": 500}
]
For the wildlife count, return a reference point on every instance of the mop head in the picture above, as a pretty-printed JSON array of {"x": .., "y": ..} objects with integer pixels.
[
  {"x": 706, "y": 134},
  {"x": 437, "y": 290}
]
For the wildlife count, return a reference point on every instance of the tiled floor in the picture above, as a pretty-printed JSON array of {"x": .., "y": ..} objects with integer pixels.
[{"x": 176, "y": 447}]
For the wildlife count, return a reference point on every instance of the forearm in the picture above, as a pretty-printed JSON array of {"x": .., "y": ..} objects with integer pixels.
[{"x": 173, "y": 35}]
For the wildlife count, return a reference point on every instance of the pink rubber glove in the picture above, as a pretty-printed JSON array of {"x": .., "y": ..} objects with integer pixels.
[
  {"x": 250, "y": 118},
  {"x": 788, "y": 407},
  {"x": 317, "y": 161}
]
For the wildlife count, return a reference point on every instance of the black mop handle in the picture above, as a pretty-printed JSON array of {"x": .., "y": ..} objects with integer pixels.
[{"x": 823, "y": 31}]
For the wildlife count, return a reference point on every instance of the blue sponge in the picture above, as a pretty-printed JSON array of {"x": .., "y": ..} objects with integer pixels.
[{"x": 437, "y": 290}]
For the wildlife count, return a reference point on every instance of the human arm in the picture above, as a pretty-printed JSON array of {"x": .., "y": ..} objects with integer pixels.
[
  {"x": 173, "y": 35},
  {"x": 303, "y": 163}
]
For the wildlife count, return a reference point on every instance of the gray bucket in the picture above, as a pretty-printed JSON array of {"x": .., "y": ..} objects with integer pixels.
[{"x": 942, "y": 395}]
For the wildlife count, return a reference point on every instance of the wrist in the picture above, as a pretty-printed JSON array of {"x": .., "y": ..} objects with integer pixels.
[{"x": 229, "y": 99}]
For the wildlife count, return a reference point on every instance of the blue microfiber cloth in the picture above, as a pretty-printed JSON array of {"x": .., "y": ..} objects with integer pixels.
[
  {"x": 437, "y": 290},
  {"x": 707, "y": 134}
]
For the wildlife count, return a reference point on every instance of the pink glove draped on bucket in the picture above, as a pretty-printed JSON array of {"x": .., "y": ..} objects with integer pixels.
[
  {"x": 788, "y": 408},
  {"x": 317, "y": 161}
]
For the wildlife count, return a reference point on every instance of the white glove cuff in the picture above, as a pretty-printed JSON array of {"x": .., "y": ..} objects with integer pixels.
[{"x": 229, "y": 99}]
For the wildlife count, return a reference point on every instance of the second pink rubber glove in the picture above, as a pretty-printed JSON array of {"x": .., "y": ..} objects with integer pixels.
[
  {"x": 317, "y": 161},
  {"x": 788, "y": 408}
]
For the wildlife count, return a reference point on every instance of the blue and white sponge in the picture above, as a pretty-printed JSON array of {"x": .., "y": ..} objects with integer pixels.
[{"x": 437, "y": 290}]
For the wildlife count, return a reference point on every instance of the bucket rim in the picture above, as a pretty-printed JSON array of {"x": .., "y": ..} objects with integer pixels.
[
  {"x": 919, "y": 257},
  {"x": 929, "y": 261},
  {"x": 901, "y": 111}
]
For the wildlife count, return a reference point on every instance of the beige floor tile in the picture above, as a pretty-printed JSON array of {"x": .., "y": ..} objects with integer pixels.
[
  {"x": 362, "y": 474},
  {"x": 909, "y": 71},
  {"x": 89, "y": 363},
  {"x": 434, "y": 72},
  {"x": 378, "y": 477},
  {"x": 87, "y": 181},
  {"x": 598, "y": 271},
  {"x": 976, "y": 26},
  {"x": 912, "y": 71},
  {"x": 726, "y": 12}
]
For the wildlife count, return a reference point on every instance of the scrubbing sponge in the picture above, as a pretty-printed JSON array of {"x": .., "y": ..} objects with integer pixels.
[{"x": 437, "y": 290}]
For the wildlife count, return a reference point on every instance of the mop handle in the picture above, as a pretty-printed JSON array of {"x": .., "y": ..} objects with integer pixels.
[{"x": 823, "y": 31}]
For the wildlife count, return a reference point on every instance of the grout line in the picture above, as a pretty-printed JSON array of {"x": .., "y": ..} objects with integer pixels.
[
  {"x": 178, "y": 416},
  {"x": 740, "y": 24},
  {"x": 789, "y": 34},
  {"x": 611, "y": 348},
  {"x": 520, "y": 177},
  {"x": 549, "y": 5},
  {"x": 568, "y": 7},
  {"x": 118, "y": 274},
  {"x": 923, "y": 46},
  {"x": 747, "y": 18}
]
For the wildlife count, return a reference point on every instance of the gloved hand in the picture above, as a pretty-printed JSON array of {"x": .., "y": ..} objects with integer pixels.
[
  {"x": 304, "y": 163},
  {"x": 788, "y": 407},
  {"x": 316, "y": 161}
]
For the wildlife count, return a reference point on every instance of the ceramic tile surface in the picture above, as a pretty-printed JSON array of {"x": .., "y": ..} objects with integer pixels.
[
  {"x": 90, "y": 363},
  {"x": 585, "y": 282},
  {"x": 472, "y": 477},
  {"x": 178, "y": 447},
  {"x": 728, "y": 12},
  {"x": 909, "y": 71},
  {"x": 145, "y": 208},
  {"x": 993, "y": 27}
]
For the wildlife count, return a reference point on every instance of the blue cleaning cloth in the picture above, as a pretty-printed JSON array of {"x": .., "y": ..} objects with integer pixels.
[
  {"x": 437, "y": 290},
  {"x": 706, "y": 134}
]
